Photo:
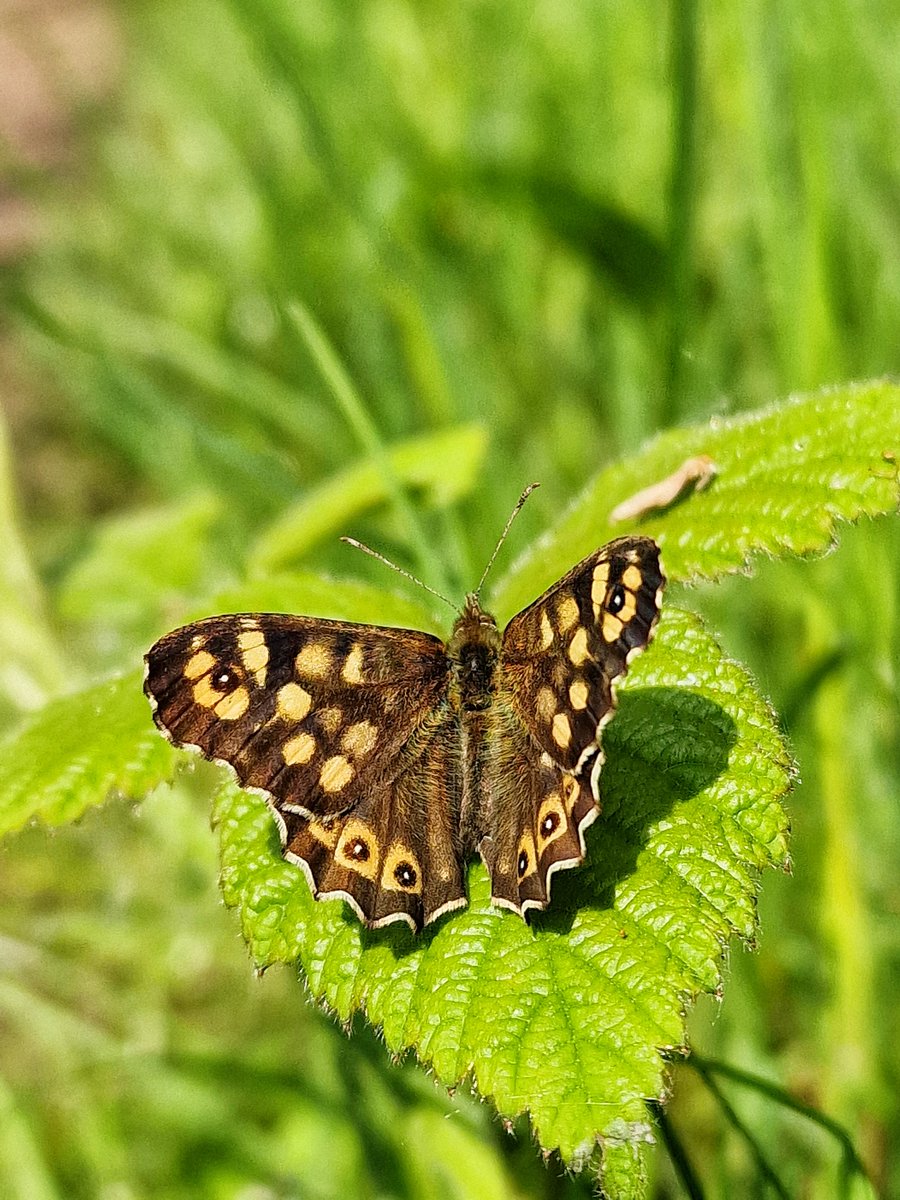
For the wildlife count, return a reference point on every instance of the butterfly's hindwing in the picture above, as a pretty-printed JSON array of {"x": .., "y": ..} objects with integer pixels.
[
  {"x": 396, "y": 856},
  {"x": 537, "y": 820}
]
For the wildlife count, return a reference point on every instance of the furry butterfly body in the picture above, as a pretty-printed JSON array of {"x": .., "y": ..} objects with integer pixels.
[{"x": 389, "y": 757}]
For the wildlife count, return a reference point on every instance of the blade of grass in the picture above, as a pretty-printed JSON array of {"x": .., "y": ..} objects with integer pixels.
[{"x": 355, "y": 413}]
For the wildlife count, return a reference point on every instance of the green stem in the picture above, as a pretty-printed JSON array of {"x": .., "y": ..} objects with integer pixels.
[
  {"x": 851, "y": 1162},
  {"x": 681, "y": 1164},
  {"x": 737, "y": 1123}
]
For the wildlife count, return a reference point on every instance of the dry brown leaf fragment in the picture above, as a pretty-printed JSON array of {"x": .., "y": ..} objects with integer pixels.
[{"x": 695, "y": 473}]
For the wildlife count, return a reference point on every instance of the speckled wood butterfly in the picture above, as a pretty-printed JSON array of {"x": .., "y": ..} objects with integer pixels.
[{"x": 390, "y": 757}]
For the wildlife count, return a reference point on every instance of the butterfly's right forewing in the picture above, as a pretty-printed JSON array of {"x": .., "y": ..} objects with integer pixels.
[
  {"x": 562, "y": 655},
  {"x": 560, "y": 660}
]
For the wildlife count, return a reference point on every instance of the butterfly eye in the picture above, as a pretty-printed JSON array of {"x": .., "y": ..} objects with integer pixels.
[
  {"x": 616, "y": 599},
  {"x": 405, "y": 874},
  {"x": 523, "y": 863}
]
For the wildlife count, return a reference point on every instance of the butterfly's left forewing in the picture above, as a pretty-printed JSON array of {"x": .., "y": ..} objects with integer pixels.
[{"x": 341, "y": 727}]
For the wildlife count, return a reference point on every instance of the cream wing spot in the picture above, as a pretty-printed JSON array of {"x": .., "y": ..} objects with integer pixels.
[
  {"x": 199, "y": 664},
  {"x": 571, "y": 788},
  {"x": 578, "y": 694},
  {"x": 352, "y": 669},
  {"x": 629, "y": 608},
  {"x": 598, "y": 587},
  {"x": 561, "y": 730},
  {"x": 612, "y": 627},
  {"x": 546, "y": 631},
  {"x": 233, "y": 706},
  {"x": 567, "y": 613},
  {"x": 546, "y": 703},
  {"x": 254, "y": 654},
  {"x": 632, "y": 577},
  {"x": 298, "y": 750},
  {"x": 326, "y": 834},
  {"x": 331, "y": 719},
  {"x": 293, "y": 702},
  {"x": 578, "y": 647},
  {"x": 359, "y": 739},
  {"x": 205, "y": 694},
  {"x": 314, "y": 660},
  {"x": 336, "y": 773}
]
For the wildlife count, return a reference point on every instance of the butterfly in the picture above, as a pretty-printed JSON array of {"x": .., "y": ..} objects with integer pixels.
[{"x": 389, "y": 757}]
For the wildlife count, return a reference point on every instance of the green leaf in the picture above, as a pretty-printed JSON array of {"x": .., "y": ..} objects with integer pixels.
[
  {"x": 786, "y": 476},
  {"x": 445, "y": 464},
  {"x": 76, "y": 749},
  {"x": 565, "y": 1018}
]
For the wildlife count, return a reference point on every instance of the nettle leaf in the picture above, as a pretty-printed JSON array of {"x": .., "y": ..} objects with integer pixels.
[
  {"x": 77, "y": 749},
  {"x": 785, "y": 476},
  {"x": 565, "y": 1018}
]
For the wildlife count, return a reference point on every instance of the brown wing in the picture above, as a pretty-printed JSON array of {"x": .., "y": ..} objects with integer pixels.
[
  {"x": 562, "y": 655},
  {"x": 537, "y": 818},
  {"x": 396, "y": 855},
  {"x": 560, "y": 659},
  {"x": 341, "y": 727}
]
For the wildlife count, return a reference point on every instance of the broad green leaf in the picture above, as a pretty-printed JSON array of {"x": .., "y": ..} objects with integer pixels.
[
  {"x": 786, "y": 476},
  {"x": 565, "y": 1018},
  {"x": 445, "y": 464},
  {"x": 76, "y": 749}
]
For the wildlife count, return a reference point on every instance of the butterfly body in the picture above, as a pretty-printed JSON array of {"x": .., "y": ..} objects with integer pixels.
[{"x": 390, "y": 758}]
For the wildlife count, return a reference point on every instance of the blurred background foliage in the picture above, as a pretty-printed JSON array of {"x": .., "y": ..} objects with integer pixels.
[{"x": 247, "y": 248}]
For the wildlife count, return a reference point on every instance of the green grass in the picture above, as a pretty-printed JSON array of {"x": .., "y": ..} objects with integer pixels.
[{"x": 295, "y": 241}]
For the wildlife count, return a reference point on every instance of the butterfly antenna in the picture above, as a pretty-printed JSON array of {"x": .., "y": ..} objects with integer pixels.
[
  {"x": 400, "y": 571},
  {"x": 512, "y": 516}
]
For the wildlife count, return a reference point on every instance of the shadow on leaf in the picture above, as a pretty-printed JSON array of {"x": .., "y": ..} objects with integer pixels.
[{"x": 665, "y": 746}]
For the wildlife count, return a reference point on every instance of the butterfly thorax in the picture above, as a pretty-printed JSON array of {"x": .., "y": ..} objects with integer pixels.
[{"x": 473, "y": 651}]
